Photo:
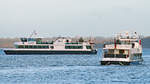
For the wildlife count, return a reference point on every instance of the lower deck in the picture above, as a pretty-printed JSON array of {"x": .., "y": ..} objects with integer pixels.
[{"x": 121, "y": 59}]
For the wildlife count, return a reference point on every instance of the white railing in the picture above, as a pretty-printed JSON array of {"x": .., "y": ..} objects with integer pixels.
[
  {"x": 124, "y": 46},
  {"x": 112, "y": 46}
]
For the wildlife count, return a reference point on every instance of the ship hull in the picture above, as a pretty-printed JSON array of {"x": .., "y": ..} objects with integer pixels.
[
  {"x": 35, "y": 52},
  {"x": 114, "y": 62}
]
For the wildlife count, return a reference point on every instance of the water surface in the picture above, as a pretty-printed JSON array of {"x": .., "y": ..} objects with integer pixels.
[{"x": 70, "y": 69}]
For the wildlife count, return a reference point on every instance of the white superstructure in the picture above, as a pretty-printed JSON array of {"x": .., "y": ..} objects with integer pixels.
[
  {"x": 61, "y": 45},
  {"x": 125, "y": 48}
]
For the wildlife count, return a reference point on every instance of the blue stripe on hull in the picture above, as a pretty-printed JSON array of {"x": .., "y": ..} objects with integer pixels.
[{"x": 12, "y": 52}]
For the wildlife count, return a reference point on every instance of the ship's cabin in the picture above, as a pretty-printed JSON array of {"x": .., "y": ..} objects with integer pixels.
[
  {"x": 121, "y": 45},
  {"x": 66, "y": 43},
  {"x": 116, "y": 53}
]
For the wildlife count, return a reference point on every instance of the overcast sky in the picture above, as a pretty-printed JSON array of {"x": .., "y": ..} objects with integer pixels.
[{"x": 18, "y": 18}]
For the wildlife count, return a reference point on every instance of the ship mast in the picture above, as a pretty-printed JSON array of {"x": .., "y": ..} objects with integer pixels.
[
  {"x": 33, "y": 33},
  {"x": 91, "y": 41}
]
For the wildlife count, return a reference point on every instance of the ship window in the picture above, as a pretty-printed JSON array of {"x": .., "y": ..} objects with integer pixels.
[
  {"x": 52, "y": 47},
  {"x": 26, "y": 46},
  {"x": 133, "y": 45},
  {"x": 20, "y": 46},
  {"x": 39, "y": 46},
  {"x": 31, "y": 39},
  {"x": 73, "y": 47},
  {"x": 121, "y": 51},
  {"x": 23, "y": 46},
  {"x": 34, "y": 46},
  {"x": 17, "y": 46},
  {"x": 118, "y": 42},
  {"x": 30, "y": 46},
  {"x": 88, "y": 47},
  {"x": 114, "y": 56},
  {"x": 111, "y": 51},
  {"x": 23, "y": 39},
  {"x": 45, "y": 47}
]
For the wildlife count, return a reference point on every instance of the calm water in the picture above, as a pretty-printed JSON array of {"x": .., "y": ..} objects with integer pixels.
[{"x": 70, "y": 69}]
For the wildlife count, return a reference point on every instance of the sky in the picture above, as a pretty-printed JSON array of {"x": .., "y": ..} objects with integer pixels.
[{"x": 18, "y": 18}]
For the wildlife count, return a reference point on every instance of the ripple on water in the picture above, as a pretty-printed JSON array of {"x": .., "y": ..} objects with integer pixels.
[{"x": 72, "y": 69}]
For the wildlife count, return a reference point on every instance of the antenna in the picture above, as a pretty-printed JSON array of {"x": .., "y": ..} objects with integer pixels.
[
  {"x": 91, "y": 40},
  {"x": 33, "y": 33}
]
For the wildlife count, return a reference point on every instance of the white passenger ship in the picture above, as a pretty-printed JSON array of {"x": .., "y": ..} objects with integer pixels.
[
  {"x": 61, "y": 45},
  {"x": 125, "y": 49}
]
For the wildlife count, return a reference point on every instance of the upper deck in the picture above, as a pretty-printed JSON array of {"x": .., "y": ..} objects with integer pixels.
[
  {"x": 60, "y": 43},
  {"x": 124, "y": 41}
]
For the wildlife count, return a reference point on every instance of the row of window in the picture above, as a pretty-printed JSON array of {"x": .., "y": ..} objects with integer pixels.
[
  {"x": 112, "y": 51},
  {"x": 74, "y": 43},
  {"x": 52, "y": 47},
  {"x": 44, "y": 42},
  {"x": 73, "y": 47},
  {"x": 77, "y": 47},
  {"x": 88, "y": 47},
  {"x": 115, "y": 56},
  {"x": 32, "y": 46}
]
